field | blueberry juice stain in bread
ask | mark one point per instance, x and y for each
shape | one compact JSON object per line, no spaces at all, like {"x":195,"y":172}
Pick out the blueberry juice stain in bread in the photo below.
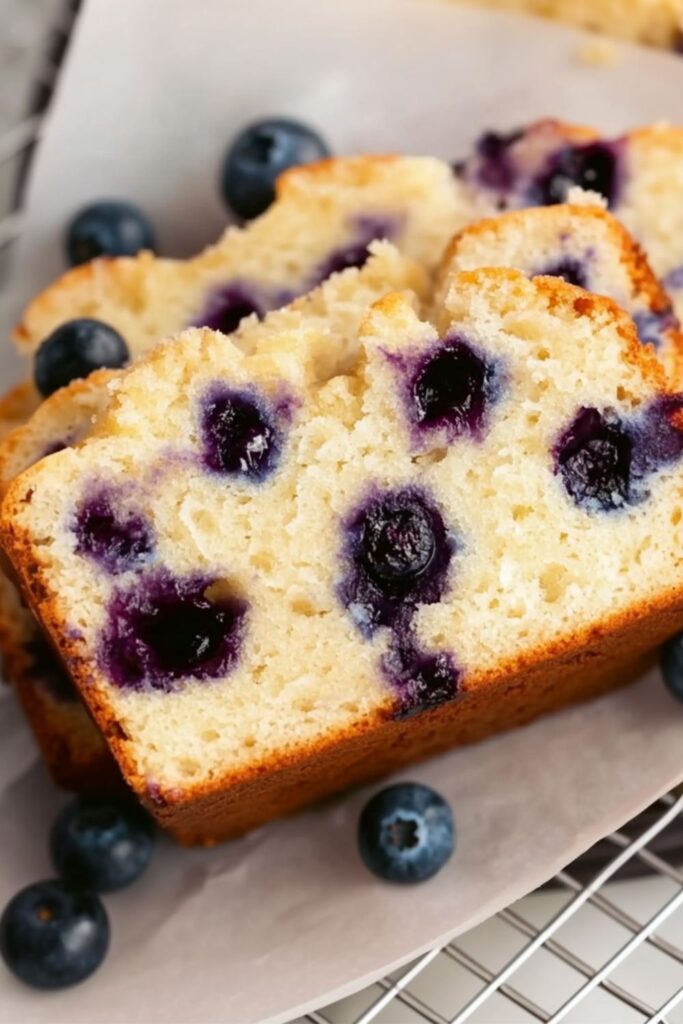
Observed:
{"x":228,"y":304}
{"x":164,"y":629}
{"x":570,"y":269}
{"x":240,"y":433}
{"x":365,"y":228}
{"x":604,"y":460}
{"x":109,"y":533}
{"x":652,"y":326}
{"x":397,"y":551}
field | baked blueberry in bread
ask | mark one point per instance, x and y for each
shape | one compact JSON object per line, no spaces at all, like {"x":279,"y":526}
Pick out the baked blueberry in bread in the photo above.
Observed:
{"x":468,"y":519}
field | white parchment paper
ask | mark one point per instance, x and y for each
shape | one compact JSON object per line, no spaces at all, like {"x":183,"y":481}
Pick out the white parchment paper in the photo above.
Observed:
{"x":287,"y":918}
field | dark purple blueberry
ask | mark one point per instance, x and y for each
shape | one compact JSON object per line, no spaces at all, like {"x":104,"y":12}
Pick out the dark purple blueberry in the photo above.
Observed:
{"x":102,"y":844}
{"x":53,"y":935}
{"x":227,"y":306}
{"x":592,"y":166}
{"x":163,"y":630}
{"x":570,"y":270}
{"x":114,"y":537}
{"x":495,"y":168}
{"x":453,"y":387}
{"x":406,"y":833}
{"x":399,"y":543}
{"x":107,"y":228}
{"x":75,"y":349}
{"x":239,"y":434}
{"x":421,"y":681}
{"x":46,"y":668}
{"x":355,"y":253}
{"x":593,"y":457}
{"x":258,"y":155}
{"x":398,"y":552}
{"x":671,"y":662}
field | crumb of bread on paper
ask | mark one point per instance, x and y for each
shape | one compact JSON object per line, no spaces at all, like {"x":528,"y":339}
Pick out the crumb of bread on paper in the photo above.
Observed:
{"x":577,"y":196}
{"x":598,"y":53}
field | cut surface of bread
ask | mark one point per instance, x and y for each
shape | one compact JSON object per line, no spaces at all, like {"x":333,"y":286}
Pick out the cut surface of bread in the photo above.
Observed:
{"x":640,"y":175}
{"x":585,"y":246}
{"x":72,"y":745}
{"x":323,"y":220}
{"x":271,"y":576}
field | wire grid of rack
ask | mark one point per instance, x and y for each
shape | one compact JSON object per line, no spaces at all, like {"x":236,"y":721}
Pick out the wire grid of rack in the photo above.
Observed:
{"x":458,"y":982}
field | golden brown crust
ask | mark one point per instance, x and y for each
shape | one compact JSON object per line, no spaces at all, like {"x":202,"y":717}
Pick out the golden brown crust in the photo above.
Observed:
{"x":357,"y":169}
{"x":69,"y":409}
{"x":17,"y":405}
{"x":75,"y":753}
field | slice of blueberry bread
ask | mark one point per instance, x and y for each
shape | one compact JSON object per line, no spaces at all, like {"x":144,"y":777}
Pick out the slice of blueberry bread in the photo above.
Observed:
{"x":275,"y":579}
{"x":324,"y":217}
{"x":640,"y":175}
{"x":76,"y":754}
{"x":72,"y":746}
{"x":585,"y":246}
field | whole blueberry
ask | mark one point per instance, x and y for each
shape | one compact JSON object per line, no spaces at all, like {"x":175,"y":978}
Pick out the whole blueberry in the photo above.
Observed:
{"x":671,"y":661}
{"x":259,"y":154}
{"x":75,"y":349}
{"x":53,"y":935}
{"x":399,"y":543}
{"x":101,"y":844}
{"x":406,"y":833}
{"x":593,"y":458}
{"x":107,"y":228}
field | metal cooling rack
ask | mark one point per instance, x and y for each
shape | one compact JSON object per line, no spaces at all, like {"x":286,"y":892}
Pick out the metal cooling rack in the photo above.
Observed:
{"x":591,"y":948}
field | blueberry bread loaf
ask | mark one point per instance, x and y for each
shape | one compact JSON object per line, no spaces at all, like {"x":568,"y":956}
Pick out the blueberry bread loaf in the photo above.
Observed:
{"x":72,"y":746}
{"x":323,"y":220}
{"x":302,"y":578}
{"x":640,"y":176}
{"x":657,"y":22}
{"x":71,"y":743}
{"x":585,"y":246}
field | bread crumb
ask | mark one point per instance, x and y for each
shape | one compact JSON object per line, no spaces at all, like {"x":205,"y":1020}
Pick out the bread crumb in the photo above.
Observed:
{"x":598,"y":53}
{"x":577,"y":196}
